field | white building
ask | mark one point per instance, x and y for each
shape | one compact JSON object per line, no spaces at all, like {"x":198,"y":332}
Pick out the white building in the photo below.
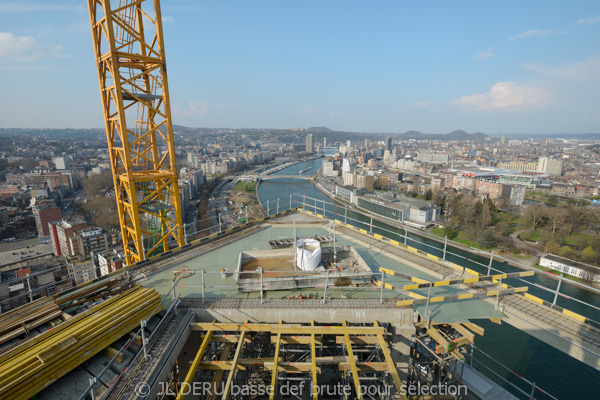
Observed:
{"x":82,"y":272}
{"x":546,"y":164}
{"x":517,"y":195}
{"x":570,"y":267}
{"x":347,"y":165}
{"x":309,"y":143}
{"x":433,"y":158}
{"x":62,"y":162}
{"x":348,"y":178}
{"x":328,"y":168}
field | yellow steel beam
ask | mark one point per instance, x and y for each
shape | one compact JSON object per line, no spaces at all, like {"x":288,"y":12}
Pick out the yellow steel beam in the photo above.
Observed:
{"x":234,"y":365}
{"x":358,"y":340}
{"x":475,"y":328}
{"x":464,"y":332}
{"x":482,"y":278}
{"x":192,"y":371}
{"x":353,"y":365}
{"x":463,"y":296}
{"x":292,"y":366}
{"x":214,"y":385}
{"x":226,"y":338}
{"x":275,"y":361}
{"x":401,"y":275}
{"x":286,"y":329}
{"x":315,"y":388}
{"x":364,"y":366}
{"x":390,"y":363}
{"x":399,"y":290}
{"x":294,"y":339}
{"x":72,"y":342}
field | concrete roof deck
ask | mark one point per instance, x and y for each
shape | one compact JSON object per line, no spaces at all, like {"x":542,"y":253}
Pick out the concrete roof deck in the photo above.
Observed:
{"x":228,"y":256}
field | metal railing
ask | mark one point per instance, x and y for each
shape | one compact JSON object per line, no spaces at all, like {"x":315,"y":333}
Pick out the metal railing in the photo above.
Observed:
{"x":478,"y":363}
{"x":319,"y":206}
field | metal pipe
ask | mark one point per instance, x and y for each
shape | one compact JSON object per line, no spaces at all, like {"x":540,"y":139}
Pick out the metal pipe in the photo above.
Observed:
{"x":29,"y":288}
{"x":490,"y":264}
{"x":382,"y":287}
{"x":498,"y":294}
{"x":203,"y":285}
{"x":326,"y":283}
{"x":261,"y":285}
{"x":144,"y":340}
{"x":557,"y":291}
{"x":427,"y":304}
{"x":445,"y":246}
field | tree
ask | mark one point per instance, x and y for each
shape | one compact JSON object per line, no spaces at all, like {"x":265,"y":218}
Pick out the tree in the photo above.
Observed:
{"x":567,"y":252}
{"x":428,"y":194}
{"x":535,"y":213}
{"x":487,"y":239}
{"x":552,"y":247}
{"x":485,"y":218}
{"x":439,"y":197}
{"x":589,"y":255}
{"x":451,"y":231}
{"x":575,"y":218}
{"x":555,"y":217}
{"x":29,"y":163}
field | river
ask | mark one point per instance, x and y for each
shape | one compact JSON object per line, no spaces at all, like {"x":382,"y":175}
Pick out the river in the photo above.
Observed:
{"x":555,"y":372}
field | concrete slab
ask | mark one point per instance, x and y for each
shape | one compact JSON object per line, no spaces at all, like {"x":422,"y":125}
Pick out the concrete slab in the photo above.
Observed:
{"x":483,"y":387}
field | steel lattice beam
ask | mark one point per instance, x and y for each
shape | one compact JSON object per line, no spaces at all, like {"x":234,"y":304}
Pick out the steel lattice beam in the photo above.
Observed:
{"x":135,"y":100}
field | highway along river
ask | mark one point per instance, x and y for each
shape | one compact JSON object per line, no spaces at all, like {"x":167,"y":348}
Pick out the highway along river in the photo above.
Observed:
{"x":552,"y":370}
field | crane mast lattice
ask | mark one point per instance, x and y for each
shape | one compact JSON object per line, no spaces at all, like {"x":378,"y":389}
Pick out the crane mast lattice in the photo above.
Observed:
{"x":130,"y":57}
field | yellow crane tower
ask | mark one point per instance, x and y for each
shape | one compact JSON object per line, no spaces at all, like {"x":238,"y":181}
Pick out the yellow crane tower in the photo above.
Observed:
{"x":132,"y":71}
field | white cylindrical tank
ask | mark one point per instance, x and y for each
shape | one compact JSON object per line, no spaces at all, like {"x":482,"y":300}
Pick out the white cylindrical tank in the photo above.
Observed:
{"x":308,"y":254}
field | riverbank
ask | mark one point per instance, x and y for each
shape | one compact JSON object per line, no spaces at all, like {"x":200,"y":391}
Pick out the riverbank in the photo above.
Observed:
{"x":452,"y":244}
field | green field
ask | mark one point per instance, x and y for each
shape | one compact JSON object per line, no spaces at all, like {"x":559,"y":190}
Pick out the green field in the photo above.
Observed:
{"x":245,"y":187}
{"x":461,"y":238}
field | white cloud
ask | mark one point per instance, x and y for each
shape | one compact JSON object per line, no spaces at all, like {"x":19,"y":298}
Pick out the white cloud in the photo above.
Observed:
{"x":340,"y":114}
{"x":21,"y":7}
{"x":26,"y":48}
{"x":423,"y":104}
{"x":484,"y":55}
{"x":509,"y":96}
{"x":168,"y":19}
{"x":586,"y":21}
{"x":537,"y":32}
{"x":193,"y":109}
{"x":581,"y":71}
{"x":309,"y":110}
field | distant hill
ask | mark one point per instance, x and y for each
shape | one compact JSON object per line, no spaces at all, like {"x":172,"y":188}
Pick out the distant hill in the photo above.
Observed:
{"x":413,"y":133}
{"x":320,"y":129}
{"x":454,"y":135}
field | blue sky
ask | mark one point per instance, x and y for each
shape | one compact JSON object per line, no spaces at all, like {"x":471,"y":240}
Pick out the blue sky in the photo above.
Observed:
{"x":385,"y":66}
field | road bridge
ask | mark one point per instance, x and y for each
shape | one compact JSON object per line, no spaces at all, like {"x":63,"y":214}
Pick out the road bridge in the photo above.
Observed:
{"x":268,"y":177}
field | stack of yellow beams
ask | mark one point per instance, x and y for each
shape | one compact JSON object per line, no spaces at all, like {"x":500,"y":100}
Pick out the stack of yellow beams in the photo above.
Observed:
{"x":22,"y":319}
{"x":37,"y":362}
